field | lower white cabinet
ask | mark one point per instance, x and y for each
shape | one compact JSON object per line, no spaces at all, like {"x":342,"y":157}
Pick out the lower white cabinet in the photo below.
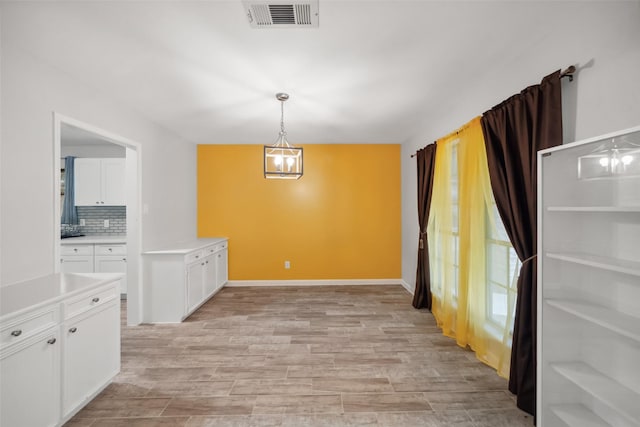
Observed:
{"x":178,"y":280}
{"x":30,"y":372}
{"x":76,"y":258}
{"x":112,"y":259}
{"x":92,"y":344}
{"x":59,"y":346}
{"x":95,"y":258}
{"x":194,"y":281}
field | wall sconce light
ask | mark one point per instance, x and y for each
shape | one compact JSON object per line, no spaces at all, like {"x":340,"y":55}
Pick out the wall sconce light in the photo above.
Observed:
{"x":282,"y":160}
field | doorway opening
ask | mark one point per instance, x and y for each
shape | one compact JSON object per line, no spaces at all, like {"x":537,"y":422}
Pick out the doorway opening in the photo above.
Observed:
{"x":120,"y":159}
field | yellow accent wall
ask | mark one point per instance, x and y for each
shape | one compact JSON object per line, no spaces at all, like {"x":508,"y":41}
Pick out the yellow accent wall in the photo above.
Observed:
{"x":341,"y":220}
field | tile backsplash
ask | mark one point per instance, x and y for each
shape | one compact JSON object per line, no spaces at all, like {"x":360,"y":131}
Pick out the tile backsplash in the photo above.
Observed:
{"x":94,"y":219}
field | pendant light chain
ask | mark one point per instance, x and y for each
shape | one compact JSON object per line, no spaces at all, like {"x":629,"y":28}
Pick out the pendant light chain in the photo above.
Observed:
{"x":282,"y":131}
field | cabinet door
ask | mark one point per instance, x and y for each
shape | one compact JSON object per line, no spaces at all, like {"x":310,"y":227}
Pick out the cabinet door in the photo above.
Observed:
{"x":92,"y":354}
{"x":195,"y":288}
{"x":30,"y":386}
{"x":87,"y":182}
{"x":113,"y":264}
{"x":222,"y":269}
{"x":113,"y":182}
{"x":210,"y":276}
{"x":76,"y":264}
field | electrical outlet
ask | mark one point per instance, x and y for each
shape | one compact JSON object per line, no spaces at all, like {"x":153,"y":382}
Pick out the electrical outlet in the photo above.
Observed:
{"x":106,"y":223}
{"x":287,"y":265}
{"x":82,"y":222}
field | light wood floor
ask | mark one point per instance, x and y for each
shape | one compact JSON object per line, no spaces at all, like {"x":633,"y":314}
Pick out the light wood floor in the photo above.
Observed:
{"x":312,"y":356}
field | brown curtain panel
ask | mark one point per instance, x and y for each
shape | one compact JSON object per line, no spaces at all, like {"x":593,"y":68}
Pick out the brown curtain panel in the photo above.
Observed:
{"x":426,"y":161}
{"x":514,"y":131}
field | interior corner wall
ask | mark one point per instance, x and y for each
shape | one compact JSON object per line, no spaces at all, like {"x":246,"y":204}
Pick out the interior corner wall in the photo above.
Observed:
{"x":341,"y":220}
{"x":31,"y":91}
{"x":600,"y":38}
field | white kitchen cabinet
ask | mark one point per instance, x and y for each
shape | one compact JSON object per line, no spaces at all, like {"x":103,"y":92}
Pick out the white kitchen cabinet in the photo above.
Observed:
{"x":30,"y":369}
{"x":589,"y":283}
{"x":111,"y":259}
{"x":179,"y":279}
{"x":222,"y":266}
{"x":95,"y":258}
{"x":195,"y":285}
{"x":77,"y":258}
{"x":100,"y":182}
{"x":38,"y":363}
{"x":91,"y":335}
{"x":210,"y":275}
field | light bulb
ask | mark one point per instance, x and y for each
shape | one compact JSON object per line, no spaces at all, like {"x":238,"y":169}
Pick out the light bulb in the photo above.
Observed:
{"x":290,"y":162}
{"x":627,"y":159}
{"x":277,"y":160}
{"x":604,"y":162}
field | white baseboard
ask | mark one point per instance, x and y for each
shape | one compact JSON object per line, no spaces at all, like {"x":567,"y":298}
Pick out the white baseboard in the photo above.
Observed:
{"x":344,"y":282}
{"x":408,"y":287}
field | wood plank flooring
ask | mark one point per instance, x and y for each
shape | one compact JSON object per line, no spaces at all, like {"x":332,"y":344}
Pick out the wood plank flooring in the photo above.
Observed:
{"x":310,"y":356}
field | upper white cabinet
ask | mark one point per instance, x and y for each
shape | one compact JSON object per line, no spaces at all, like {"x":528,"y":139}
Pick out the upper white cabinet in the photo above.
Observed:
{"x":100,"y":182}
{"x":589,"y":282}
{"x":180,"y":279}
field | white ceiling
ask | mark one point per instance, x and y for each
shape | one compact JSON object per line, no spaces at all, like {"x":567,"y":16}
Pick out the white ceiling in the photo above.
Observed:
{"x":371,"y":73}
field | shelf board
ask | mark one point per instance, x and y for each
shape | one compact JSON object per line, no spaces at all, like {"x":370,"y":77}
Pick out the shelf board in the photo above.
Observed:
{"x":611,"y":393}
{"x":593,"y":208}
{"x":605,"y":263}
{"x":578,"y":416}
{"x":620,"y":323}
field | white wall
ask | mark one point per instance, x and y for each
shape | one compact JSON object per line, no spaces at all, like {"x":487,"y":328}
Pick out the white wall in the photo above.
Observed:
{"x":601,"y":38}
{"x":30,"y":92}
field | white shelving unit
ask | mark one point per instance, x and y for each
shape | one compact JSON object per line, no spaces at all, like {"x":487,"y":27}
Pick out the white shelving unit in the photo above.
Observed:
{"x":589,"y":283}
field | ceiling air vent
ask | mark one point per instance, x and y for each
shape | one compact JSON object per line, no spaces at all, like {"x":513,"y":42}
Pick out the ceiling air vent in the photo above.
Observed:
{"x":282,"y":14}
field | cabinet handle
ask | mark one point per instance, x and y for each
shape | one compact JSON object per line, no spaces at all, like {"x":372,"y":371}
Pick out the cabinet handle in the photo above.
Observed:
{"x":220,"y":256}
{"x":102,"y":203}
{"x":97,"y":203}
{"x":75,"y":249}
{"x":110,"y":250}
{"x":73,"y":330}
{"x":96,"y":299}
{"x":124,"y":259}
{"x":16,"y":333}
{"x":197,"y":256}
{"x":61,"y":260}
{"x":51,"y":341}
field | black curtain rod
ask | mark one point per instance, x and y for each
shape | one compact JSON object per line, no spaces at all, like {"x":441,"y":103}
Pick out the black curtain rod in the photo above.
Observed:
{"x":566,"y":73}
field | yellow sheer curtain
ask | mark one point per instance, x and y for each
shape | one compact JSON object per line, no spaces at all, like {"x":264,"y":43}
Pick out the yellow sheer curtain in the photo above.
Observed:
{"x":458,"y":230}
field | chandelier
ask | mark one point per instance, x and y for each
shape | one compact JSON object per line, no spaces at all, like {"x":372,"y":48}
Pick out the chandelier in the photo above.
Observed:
{"x":282,"y":160}
{"x":615,"y":157}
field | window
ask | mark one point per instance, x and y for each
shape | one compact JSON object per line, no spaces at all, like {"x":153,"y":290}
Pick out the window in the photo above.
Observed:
{"x":503,"y":266}
{"x":473,"y":265}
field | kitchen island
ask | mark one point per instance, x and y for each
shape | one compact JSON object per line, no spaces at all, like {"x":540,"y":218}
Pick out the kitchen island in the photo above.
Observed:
{"x":59,"y":345}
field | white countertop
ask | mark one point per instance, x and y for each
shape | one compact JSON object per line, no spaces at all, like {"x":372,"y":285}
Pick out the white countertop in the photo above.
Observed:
{"x":48,"y":289}
{"x":108,"y":240}
{"x":185,"y":247}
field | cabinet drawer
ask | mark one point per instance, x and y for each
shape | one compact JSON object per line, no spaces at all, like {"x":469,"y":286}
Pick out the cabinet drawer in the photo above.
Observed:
{"x":111,"y":249}
{"x":215,"y":248}
{"x":76,"y":250}
{"x":194,"y":256}
{"x":90,"y":300}
{"x":26,"y":326}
